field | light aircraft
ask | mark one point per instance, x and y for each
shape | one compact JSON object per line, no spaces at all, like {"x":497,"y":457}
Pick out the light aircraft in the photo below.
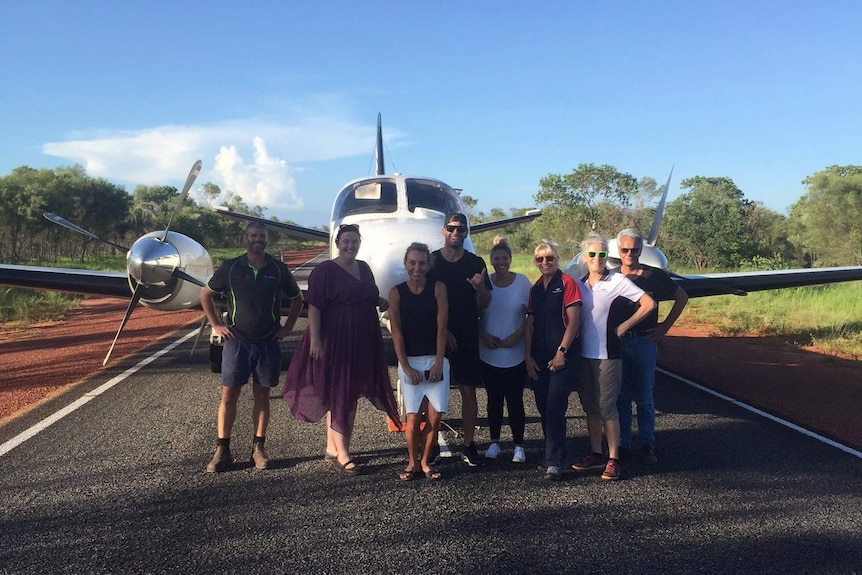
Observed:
{"x":166,"y":270}
{"x":733,"y":283}
{"x":392,"y":211}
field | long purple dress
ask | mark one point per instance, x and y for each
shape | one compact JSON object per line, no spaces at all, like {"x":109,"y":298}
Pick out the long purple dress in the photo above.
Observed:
{"x":354,"y":361}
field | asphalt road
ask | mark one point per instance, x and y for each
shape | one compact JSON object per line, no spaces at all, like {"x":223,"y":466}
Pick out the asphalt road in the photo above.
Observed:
{"x":118,"y":486}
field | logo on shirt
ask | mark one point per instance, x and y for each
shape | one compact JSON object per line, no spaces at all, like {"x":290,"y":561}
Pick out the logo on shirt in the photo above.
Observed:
{"x":557,"y":290}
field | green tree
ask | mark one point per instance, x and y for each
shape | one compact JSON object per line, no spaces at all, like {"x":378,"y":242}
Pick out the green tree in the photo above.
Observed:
{"x":828,"y":216}
{"x":706,"y":227}
{"x":589,"y":198}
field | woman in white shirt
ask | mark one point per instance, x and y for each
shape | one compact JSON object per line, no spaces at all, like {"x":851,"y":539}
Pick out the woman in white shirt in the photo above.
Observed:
{"x":501,"y":349}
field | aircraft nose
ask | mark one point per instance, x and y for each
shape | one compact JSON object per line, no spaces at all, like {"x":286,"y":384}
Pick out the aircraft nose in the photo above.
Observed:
{"x":151,"y":262}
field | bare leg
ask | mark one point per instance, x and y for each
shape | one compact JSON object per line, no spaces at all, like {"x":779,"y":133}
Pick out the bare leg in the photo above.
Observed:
{"x":411,"y":435}
{"x":430,"y":433}
{"x":261,"y":409}
{"x":612,"y":433}
{"x":594,"y":428}
{"x":341,"y":441}
{"x":331,"y":448}
{"x":469,"y":412}
{"x":227,"y":411}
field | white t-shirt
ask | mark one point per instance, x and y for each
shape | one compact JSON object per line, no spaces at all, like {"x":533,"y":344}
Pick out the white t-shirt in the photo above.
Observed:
{"x":596,"y":304}
{"x":503,"y":316}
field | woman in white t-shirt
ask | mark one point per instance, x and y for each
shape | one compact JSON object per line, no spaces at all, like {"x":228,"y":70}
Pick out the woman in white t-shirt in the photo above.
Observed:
{"x":501,"y":349}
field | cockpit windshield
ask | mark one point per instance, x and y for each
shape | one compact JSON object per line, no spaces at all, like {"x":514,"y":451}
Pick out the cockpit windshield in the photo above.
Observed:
{"x":379,"y":196}
{"x":431,"y":195}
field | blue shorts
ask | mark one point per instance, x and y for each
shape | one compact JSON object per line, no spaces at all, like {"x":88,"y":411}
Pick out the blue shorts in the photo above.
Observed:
{"x":259,"y":359}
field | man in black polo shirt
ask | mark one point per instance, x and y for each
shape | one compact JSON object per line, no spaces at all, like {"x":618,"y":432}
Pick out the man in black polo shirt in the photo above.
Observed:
{"x":253,"y":285}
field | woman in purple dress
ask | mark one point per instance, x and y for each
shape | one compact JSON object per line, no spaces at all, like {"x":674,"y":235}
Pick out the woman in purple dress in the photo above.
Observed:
{"x":341,"y":356}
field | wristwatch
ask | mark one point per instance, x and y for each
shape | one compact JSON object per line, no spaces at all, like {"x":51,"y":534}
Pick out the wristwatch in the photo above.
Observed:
{"x":562,"y":349}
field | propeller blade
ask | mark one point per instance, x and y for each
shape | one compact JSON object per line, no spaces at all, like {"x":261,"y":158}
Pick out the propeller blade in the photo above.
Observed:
{"x":70,"y":226}
{"x":136,"y":296}
{"x":653,"y":231}
{"x":193,"y":174}
{"x":177,"y":273}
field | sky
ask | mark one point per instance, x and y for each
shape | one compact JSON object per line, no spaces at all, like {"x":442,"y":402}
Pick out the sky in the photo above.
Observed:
{"x":279,"y":99}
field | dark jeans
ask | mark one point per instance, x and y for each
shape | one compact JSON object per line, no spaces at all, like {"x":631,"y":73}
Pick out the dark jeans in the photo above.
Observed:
{"x":505,"y":384}
{"x":552,"y":391}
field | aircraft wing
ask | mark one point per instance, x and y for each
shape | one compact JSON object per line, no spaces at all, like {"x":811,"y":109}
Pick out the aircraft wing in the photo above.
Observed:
{"x":292,"y":230}
{"x":114,"y":284}
{"x":739,"y":283}
{"x":485,"y":226}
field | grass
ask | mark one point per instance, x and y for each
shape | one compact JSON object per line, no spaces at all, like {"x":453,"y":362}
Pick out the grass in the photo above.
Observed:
{"x":826,"y":316}
{"x":24,"y":306}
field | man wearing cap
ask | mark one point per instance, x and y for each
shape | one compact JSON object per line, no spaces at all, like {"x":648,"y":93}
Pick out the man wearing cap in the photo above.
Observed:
{"x":469,"y":289}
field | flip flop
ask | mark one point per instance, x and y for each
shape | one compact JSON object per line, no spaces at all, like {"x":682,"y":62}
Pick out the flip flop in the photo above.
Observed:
{"x":355,"y":470}
{"x":407,"y":475}
{"x":433,"y":475}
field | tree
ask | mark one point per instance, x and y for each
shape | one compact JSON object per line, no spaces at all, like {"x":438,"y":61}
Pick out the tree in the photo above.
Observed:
{"x":828,"y":216}
{"x":706,"y":227}
{"x":582,"y":200}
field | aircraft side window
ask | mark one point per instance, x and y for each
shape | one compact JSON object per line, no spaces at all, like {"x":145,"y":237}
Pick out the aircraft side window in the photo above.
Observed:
{"x":368,"y":198}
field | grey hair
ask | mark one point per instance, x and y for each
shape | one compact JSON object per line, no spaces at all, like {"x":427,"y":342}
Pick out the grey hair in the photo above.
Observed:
{"x":594,"y":238}
{"x":632,"y":233}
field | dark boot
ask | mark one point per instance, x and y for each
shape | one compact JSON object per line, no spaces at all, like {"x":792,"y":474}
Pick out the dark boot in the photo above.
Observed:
{"x":259,"y":457}
{"x":221,"y":461}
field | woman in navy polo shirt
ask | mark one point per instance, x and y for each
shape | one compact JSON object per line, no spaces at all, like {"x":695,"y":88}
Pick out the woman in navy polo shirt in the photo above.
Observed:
{"x":552,"y":351}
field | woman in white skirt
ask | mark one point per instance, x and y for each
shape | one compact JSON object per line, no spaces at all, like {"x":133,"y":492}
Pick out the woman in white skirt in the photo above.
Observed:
{"x":418,"y":312}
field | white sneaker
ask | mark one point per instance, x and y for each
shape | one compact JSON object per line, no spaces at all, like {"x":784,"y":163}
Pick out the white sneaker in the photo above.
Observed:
{"x":493,"y":451}
{"x":520,"y":456}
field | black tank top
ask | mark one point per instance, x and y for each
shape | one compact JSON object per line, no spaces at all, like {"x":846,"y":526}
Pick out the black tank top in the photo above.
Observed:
{"x":419,"y":319}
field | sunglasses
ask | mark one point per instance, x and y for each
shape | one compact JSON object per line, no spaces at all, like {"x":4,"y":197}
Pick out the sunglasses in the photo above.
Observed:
{"x":633,"y":251}
{"x":452,"y":229}
{"x":549,"y":259}
{"x":602,"y":255}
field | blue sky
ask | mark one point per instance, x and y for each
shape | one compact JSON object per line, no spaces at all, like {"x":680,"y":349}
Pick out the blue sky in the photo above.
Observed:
{"x":280,"y":99}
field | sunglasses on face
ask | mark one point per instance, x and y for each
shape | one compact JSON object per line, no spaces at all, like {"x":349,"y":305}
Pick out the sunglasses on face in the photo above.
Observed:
{"x":602,"y":255}
{"x":452,"y":229}
{"x":633,"y":251}
{"x":549,"y":259}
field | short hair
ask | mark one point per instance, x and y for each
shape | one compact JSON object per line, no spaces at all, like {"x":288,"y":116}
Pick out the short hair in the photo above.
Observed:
{"x":346,"y":228}
{"x":456,"y":217}
{"x":258,"y":225}
{"x":631,"y":233}
{"x":501,"y":245}
{"x":418,"y":247}
{"x":594,"y":238}
{"x":545,"y":249}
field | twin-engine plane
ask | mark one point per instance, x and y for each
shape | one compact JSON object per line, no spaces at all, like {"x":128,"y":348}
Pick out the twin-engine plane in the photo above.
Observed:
{"x":166,"y":270}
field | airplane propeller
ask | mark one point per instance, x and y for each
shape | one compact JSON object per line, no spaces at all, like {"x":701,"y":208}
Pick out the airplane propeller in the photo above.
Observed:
{"x":156,"y":261}
{"x":153,"y":262}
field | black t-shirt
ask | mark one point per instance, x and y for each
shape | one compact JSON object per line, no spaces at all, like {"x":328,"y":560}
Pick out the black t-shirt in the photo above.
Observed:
{"x":463,"y":299}
{"x":254,"y":296}
{"x":658,"y":284}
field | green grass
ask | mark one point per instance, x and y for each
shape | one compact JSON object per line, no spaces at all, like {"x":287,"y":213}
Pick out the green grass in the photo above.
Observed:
{"x":828,"y":316}
{"x":24,"y":306}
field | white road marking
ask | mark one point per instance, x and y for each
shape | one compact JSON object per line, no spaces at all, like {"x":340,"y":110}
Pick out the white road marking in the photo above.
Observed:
{"x":761,"y":413}
{"x":87,"y":397}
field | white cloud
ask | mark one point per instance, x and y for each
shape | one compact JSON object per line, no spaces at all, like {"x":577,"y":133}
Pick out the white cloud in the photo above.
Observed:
{"x":253,"y":158}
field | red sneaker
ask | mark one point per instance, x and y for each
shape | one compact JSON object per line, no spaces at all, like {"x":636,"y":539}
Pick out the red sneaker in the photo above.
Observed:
{"x":612,"y":470}
{"x":591,"y":461}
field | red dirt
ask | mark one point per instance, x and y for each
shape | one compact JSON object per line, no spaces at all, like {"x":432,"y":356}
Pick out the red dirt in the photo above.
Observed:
{"x":820,"y":392}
